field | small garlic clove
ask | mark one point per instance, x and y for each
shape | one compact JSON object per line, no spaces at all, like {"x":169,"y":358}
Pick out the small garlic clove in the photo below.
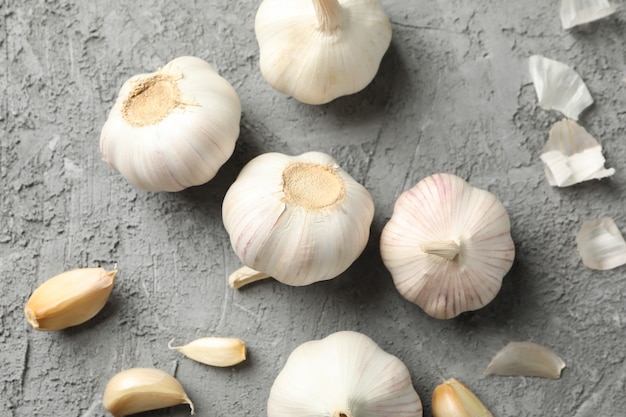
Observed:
{"x":578,"y":12}
{"x":559,"y":87}
{"x":214,"y":351}
{"x":142,"y":389}
{"x":244,"y":276}
{"x":526,"y":359}
{"x":453,"y":399}
{"x":600,"y":244}
{"x":70,"y":298}
{"x":572,"y":155}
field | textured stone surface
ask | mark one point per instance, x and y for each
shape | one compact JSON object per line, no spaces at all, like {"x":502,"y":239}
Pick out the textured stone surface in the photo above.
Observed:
{"x":452,"y":95}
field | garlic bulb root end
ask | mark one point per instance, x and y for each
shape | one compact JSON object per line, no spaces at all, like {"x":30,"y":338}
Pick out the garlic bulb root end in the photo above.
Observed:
{"x":244,"y":276}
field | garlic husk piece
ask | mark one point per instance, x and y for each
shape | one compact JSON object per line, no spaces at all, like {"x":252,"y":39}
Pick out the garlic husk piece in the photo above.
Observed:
{"x":299,"y":219}
{"x":572,"y":155}
{"x":600,"y":244}
{"x":453,"y":399}
{"x":173,"y":128}
{"x":578,"y":12}
{"x":559,"y":87}
{"x":70,"y":298}
{"x":526,"y":359}
{"x":343,"y":375}
{"x":137,"y":390}
{"x":318,"y":50}
{"x":214,"y":351}
{"x":447,"y":245}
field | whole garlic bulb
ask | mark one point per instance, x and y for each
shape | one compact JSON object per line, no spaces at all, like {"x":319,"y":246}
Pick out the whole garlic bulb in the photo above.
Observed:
{"x":318,"y":50}
{"x":344,"y":375}
{"x":299,"y":219}
{"x":447,"y":245}
{"x":173,"y":128}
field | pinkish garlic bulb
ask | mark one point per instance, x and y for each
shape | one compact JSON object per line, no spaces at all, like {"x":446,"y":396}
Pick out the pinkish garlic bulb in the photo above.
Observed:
{"x":448,"y":246}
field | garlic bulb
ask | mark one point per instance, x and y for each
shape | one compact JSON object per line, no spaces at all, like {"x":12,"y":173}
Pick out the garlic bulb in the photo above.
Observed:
{"x":344,"y":375}
{"x":447,"y":245}
{"x":559,"y":87}
{"x":600,"y":244}
{"x":453,"y":399}
{"x":173,"y":128}
{"x":578,"y":12}
{"x":526,"y":359}
{"x":572,"y":155}
{"x":299,"y":219}
{"x":318,"y":50}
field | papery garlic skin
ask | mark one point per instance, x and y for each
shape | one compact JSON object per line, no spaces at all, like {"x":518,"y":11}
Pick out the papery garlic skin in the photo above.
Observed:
{"x":526,"y":359}
{"x":447,"y":245}
{"x":453,"y":399}
{"x":345,"y":374}
{"x":214,"y":351}
{"x":578,"y":12}
{"x":137,"y":390}
{"x":559,"y":87}
{"x":601,"y":244}
{"x":299,"y":219}
{"x":69,"y":299}
{"x":173,"y":128}
{"x":318,"y":50}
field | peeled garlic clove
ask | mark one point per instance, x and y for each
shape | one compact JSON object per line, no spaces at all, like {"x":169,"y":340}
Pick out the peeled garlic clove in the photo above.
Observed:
{"x":142,"y":389}
{"x":344,"y":375}
{"x":447,"y":245}
{"x":299,"y":219}
{"x":69,"y":299}
{"x":559,"y":87}
{"x":214,"y":351}
{"x":173,"y":128}
{"x":318,"y":50}
{"x":600,"y":244}
{"x":453,"y":399}
{"x":572,"y":155}
{"x":526,"y":359}
{"x":578,"y":12}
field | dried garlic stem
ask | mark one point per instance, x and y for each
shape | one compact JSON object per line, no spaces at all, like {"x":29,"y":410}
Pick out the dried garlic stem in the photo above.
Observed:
{"x":244,"y":276}
{"x":342,"y":413}
{"x":448,"y":249}
{"x":328,"y":14}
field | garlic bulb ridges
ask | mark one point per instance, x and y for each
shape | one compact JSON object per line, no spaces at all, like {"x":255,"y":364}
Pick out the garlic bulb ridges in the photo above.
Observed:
{"x":526,"y":359}
{"x":70,"y":298}
{"x":318,"y":50}
{"x":345,"y":374}
{"x":137,"y":390}
{"x":298,"y":219}
{"x":214,"y":351}
{"x":447,"y":245}
{"x":174,"y":128}
{"x":453,"y":399}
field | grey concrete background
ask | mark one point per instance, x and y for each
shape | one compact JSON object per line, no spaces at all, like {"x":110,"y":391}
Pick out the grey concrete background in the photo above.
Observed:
{"x":452,"y":95}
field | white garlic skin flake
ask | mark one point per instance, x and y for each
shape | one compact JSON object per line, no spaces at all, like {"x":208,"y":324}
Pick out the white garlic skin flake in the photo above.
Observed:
{"x":447,"y":245}
{"x":343,"y":375}
{"x":318,"y":50}
{"x":578,"y":12}
{"x":601,"y":244}
{"x":299,"y":219}
{"x":526,"y":359}
{"x":173,"y":128}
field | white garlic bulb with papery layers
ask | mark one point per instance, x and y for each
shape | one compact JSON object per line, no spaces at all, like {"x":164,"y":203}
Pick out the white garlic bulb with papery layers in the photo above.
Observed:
{"x":447,"y":245}
{"x":299,"y":219}
{"x":343,"y":375}
{"x":318,"y":50}
{"x":173,"y":128}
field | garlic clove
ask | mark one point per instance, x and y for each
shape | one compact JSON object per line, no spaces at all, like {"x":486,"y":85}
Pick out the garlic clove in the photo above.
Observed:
{"x":244,"y":276}
{"x":214,"y":351}
{"x":345,"y":374}
{"x":600,"y":244}
{"x":299,"y":219}
{"x":526,"y":359}
{"x":447,"y":245}
{"x":318,"y":50}
{"x":453,"y":399}
{"x":70,"y":298}
{"x":559,"y":87}
{"x":572,"y":155}
{"x":173,"y":128}
{"x":578,"y":12}
{"x":137,"y":390}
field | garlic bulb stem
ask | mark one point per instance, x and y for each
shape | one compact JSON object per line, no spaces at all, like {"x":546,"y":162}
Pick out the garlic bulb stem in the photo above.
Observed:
{"x":328,"y":14}
{"x":342,"y":413}
{"x":244,"y":276}
{"x":448,"y":249}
